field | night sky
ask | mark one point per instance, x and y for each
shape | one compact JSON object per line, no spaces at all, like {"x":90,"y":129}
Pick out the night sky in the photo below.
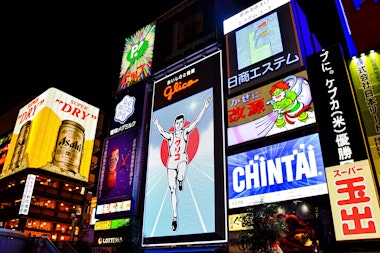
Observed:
{"x":76,"y":48}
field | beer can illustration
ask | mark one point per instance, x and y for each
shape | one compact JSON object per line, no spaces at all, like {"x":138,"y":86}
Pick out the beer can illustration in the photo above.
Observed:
{"x":112,"y":165}
{"x":69,"y":147}
{"x":19,"y":151}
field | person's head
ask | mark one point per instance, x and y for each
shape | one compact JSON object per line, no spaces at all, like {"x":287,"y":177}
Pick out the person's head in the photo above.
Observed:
{"x":179,"y":122}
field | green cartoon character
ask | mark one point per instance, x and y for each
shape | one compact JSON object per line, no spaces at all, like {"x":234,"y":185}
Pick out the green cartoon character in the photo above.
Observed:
{"x":285,"y":102}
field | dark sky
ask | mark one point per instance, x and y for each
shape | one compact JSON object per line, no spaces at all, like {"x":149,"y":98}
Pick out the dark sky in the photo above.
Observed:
{"x":76,"y":48}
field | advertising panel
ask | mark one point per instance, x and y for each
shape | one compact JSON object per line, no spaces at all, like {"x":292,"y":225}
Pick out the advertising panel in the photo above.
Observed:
{"x":185,"y":185}
{"x":284,"y":171}
{"x":261,"y":43}
{"x":365,"y":74}
{"x":337,"y":116}
{"x":137,"y":56}
{"x":116,"y":175}
{"x":274,"y":108}
{"x":54,"y":132}
{"x":354,"y":201}
{"x":128,"y":109}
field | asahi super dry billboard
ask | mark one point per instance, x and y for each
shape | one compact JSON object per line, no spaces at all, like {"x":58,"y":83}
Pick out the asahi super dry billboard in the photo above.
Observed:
{"x":55,"y":132}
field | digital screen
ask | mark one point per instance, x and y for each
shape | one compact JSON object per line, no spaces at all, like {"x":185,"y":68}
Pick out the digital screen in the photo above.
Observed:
{"x":278,"y":107}
{"x":284,"y":171}
{"x":137,"y":56}
{"x":117,"y":172}
{"x":184,"y":192}
{"x":258,"y":41}
{"x":262,"y":49}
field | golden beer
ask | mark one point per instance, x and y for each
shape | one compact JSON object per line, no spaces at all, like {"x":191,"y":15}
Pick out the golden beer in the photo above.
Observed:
{"x":69,"y":147}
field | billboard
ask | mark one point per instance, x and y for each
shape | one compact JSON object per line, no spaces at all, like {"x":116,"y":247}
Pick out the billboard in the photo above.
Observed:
{"x":128,"y":109}
{"x":354,"y":201}
{"x":271,"y":109}
{"x":116,"y":174}
{"x":137,"y":56}
{"x":261,"y":44}
{"x":284,"y":171}
{"x":185,"y":185}
{"x":365,"y":75}
{"x":341,"y":135}
{"x":54,"y":132}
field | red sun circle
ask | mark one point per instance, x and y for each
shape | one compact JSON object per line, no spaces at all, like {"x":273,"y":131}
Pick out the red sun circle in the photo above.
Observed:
{"x":192,"y":145}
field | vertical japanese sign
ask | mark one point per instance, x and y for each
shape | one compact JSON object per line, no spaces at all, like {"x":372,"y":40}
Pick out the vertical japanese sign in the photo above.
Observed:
{"x":185,"y":185}
{"x":336,"y":114}
{"x":27,"y":195}
{"x":354,"y":202}
{"x":365,"y":73}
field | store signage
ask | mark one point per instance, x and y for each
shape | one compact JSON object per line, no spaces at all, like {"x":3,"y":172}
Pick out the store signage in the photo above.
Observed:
{"x":354,"y":201}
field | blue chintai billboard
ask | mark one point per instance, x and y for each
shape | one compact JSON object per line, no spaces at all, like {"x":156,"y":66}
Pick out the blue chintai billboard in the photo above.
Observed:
{"x":288,"y":170}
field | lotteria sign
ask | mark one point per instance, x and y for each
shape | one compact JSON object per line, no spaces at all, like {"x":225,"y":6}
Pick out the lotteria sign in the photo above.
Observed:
{"x":288,"y":170}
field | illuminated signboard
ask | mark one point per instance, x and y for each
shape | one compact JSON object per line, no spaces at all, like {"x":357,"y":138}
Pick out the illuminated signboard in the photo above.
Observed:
{"x":274,"y":108}
{"x":235,"y":222}
{"x":186,"y":205}
{"x":128,"y":109}
{"x":365,"y":73}
{"x":261,"y":44}
{"x":27,"y":195}
{"x":137,"y":57}
{"x":111,"y":224}
{"x":117,"y":172}
{"x":284,"y":171}
{"x":354,"y":201}
{"x":341,"y":136}
{"x":54,"y":132}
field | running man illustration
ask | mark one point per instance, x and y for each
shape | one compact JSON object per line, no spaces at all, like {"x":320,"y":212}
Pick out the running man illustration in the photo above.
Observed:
{"x":178,"y":159}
